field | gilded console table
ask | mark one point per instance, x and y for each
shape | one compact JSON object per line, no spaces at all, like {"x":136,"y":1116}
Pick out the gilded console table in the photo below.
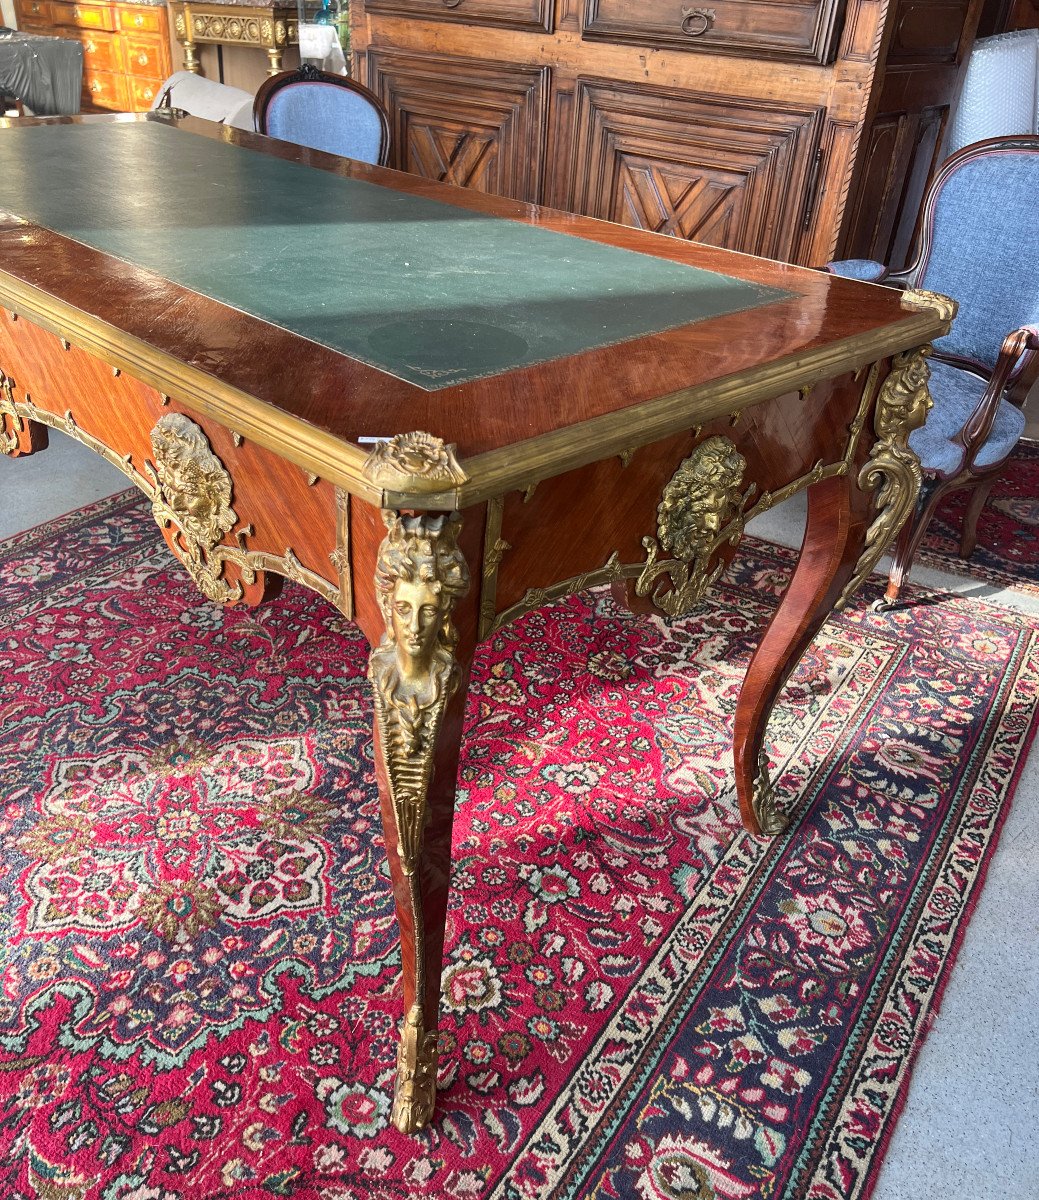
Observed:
{"x":270,"y":27}
{"x":509,"y":404}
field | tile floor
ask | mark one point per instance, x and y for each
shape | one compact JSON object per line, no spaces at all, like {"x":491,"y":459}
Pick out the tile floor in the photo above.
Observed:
{"x":968,"y":1127}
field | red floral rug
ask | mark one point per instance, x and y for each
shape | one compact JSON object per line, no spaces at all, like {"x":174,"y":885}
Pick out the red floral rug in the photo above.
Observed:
{"x":640,"y":1001}
{"x":1007,"y":553}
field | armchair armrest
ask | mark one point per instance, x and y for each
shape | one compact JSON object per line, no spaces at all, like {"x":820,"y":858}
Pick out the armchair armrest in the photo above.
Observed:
{"x":858,"y":268}
{"x":1017,"y":350}
{"x":869,"y":271}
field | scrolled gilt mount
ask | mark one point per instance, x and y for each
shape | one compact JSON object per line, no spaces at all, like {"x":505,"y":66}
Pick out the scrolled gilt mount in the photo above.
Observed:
{"x":892,"y":469}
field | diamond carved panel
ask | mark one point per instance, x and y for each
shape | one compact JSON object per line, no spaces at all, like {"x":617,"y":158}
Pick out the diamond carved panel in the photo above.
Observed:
{"x":732,"y":173}
{"x":465,"y":121}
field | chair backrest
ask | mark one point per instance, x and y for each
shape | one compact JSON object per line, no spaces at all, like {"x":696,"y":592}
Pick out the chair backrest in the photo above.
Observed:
{"x":326,"y":112}
{"x":200,"y":97}
{"x":980,"y":243}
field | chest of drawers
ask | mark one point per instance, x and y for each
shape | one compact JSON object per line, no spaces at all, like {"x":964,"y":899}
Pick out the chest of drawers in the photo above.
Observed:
{"x":126,"y":49}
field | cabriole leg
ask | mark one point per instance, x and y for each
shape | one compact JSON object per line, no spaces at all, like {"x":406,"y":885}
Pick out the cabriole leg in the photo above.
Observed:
{"x":418,"y":673}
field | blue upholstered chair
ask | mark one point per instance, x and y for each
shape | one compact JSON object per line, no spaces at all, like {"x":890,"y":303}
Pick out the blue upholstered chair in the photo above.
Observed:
{"x":326,"y":112}
{"x":979,"y":243}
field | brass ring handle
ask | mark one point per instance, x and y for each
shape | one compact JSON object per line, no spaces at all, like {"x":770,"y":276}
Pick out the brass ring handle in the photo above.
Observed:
{"x":696,"y":21}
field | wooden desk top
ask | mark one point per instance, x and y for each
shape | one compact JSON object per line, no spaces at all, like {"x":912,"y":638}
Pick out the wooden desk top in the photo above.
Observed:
{"x":313,"y":402}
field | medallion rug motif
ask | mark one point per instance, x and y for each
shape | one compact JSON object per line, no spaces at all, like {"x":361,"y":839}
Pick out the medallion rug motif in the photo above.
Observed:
{"x":200,"y":959}
{"x":1007,"y":553}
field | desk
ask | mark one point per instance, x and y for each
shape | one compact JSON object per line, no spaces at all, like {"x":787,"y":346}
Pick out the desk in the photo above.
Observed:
{"x":564,"y":403}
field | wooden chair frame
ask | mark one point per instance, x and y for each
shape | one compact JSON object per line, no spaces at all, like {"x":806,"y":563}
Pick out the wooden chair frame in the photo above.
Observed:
{"x":308,"y":73}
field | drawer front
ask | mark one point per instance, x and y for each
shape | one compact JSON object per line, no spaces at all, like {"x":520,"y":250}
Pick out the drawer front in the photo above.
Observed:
{"x":513,"y":14}
{"x":33,"y":12}
{"x":142,"y":20}
{"x":83,"y":16}
{"x":100,"y":51}
{"x":106,"y":90}
{"x":799,"y":30}
{"x":143,"y":56}
{"x":142,"y":93}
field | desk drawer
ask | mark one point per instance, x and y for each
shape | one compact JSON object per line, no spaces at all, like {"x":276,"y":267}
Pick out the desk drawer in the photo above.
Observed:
{"x":804,"y":30}
{"x":143,"y":56}
{"x":33,"y":12}
{"x":142,"y":93}
{"x":142,"y":20}
{"x":106,"y":89}
{"x":100,"y":50}
{"x":83,"y":16}
{"x":513,"y":14}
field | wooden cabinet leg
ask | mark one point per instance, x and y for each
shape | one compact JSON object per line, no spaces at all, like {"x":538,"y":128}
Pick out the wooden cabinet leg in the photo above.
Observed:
{"x":419,"y":673}
{"x":832,"y":542}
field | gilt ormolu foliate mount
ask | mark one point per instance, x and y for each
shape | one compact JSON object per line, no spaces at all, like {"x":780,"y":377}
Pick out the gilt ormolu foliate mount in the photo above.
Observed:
{"x":701,"y":507}
{"x":192,"y":499}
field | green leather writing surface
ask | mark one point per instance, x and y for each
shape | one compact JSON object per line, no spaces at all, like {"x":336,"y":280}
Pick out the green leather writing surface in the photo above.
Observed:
{"x":428,"y":292}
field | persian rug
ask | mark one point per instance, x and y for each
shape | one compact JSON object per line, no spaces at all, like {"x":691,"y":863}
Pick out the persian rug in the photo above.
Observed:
{"x":200,"y":957}
{"x":1007,"y":554}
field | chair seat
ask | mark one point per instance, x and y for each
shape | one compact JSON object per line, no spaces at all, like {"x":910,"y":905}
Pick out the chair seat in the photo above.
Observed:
{"x":956,"y":394}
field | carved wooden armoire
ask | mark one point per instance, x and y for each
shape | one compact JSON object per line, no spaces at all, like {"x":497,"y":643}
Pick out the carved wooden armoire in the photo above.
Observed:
{"x":801,"y":130}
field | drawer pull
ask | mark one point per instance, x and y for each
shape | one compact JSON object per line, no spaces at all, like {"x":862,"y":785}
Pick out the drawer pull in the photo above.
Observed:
{"x":96,"y":87}
{"x":696,"y":21}
{"x":89,"y":47}
{"x":451,"y":3}
{"x":138,"y":20}
{"x":142,"y":59}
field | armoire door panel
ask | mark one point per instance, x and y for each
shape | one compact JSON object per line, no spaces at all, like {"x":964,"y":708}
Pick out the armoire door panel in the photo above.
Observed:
{"x":713,"y":169}
{"x":464,"y":121}
{"x":900,"y":157}
{"x":535,"y":15}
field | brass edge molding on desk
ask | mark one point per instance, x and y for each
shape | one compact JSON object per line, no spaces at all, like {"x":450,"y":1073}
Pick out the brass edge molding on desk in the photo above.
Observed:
{"x":310,"y":448}
{"x":517,"y":467}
